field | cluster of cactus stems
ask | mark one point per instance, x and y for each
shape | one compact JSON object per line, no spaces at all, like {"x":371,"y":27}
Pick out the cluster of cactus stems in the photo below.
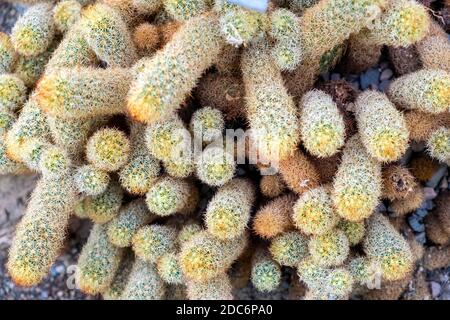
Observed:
{"x":123,"y":108}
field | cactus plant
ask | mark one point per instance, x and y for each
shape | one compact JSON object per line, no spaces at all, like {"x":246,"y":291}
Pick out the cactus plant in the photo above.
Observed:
{"x":289,"y":248}
{"x":40,"y":234}
{"x":83,"y":92}
{"x":207,"y":124}
{"x":271,"y":186}
{"x":122,"y":228}
{"x":169,"y":196}
{"x":357,"y":184}
{"x":299,"y":173}
{"x":168,"y":76}
{"x":108,"y":149}
{"x":120,"y":280}
{"x":143,"y":283}
{"x":274,"y":218}
{"x":8,"y":55}
{"x":169,"y":269}
{"x":218,"y":288}
{"x":90,"y":180}
{"x":266,"y":273}
{"x":65,"y":14}
{"x":105,"y":206}
{"x":329,"y":249}
{"x":34,"y":31}
{"x":438,"y":144}
{"x":183,"y":10}
{"x":228,"y":212}
{"x":215,"y":166}
{"x":313,"y":212}
{"x":382,"y":128}
{"x":388,"y":247}
{"x":423,"y":90}
{"x":354,"y":231}
{"x":151,"y":242}
{"x":204,"y":257}
{"x":322,"y":125}
{"x":12,"y":92}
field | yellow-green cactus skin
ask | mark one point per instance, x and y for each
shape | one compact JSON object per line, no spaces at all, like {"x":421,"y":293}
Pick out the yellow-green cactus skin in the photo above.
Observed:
{"x":381,"y":126}
{"x":384,"y":244}
{"x":357,"y":184}
{"x":403,"y":23}
{"x":83,"y":92}
{"x":271,"y":112}
{"x":289,"y":248}
{"x":169,"y":196}
{"x":108,"y":149}
{"x":322,"y":125}
{"x":266,"y":273}
{"x":438,"y":144}
{"x":313,"y":212}
{"x":167,"y":77}
{"x":34,"y":31}
{"x":215,"y":166}
{"x":183,"y":10}
{"x":218,"y":288}
{"x":228,"y":212}
{"x":169,"y":269}
{"x":90,"y":180}
{"x":151,"y":242}
{"x":40,"y":234}
{"x":330,"y":249}
{"x":108,"y":36}
{"x":105,"y":206}
{"x":65,"y":14}
{"x":204,"y":257}
{"x":423,"y":90}
{"x":13,"y":92}
{"x":8,"y":55}
{"x":98,"y":262}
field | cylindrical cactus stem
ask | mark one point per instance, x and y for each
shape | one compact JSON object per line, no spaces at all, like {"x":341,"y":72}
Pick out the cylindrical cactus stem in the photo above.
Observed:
{"x":30,"y":69}
{"x":270,"y":110}
{"x":271,"y":186}
{"x":398,"y":182}
{"x":142,"y":170}
{"x":107,"y":34}
{"x":311,"y":273}
{"x":240,"y":26}
{"x":31,"y":123}
{"x":83,"y":92}
{"x":167,"y":139}
{"x":357,"y":184}
{"x":365,"y":271}
{"x":169,"y":196}
{"x":187,"y":231}
{"x":204,"y":257}
{"x":72,"y":134}
{"x":146,"y":38}
{"x":403,"y":23}
{"x":411,"y":202}
{"x":438,"y":144}
{"x":320,"y":34}
{"x":382,"y":127}
{"x":207,"y":124}
{"x":8,"y":55}
{"x":388,"y":247}
{"x":117,"y":286}
{"x":13,"y":92}
{"x":90,"y":180}
{"x":289,"y":248}
{"x":299,"y":6}
{"x":182,"y":167}
{"x":299,"y":173}
{"x":354,"y":231}
{"x":169,"y":269}
{"x":108,"y":149}
{"x":322,"y":125}
{"x":144,"y":283}
{"x":443,"y":210}
{"x":72,"y":51}
{"x":361,"y":53}
{"x":423,"y":90}
{"x":183,"y":10}
{"x":98,"y":262}
{"x":228,"y":212}
{"x":65,"y":14}
{"x":151,"y":242}
{"x":274,"y":218}
{"x":218,"y":288}
{"x":9,"y":166}
{"x":122,"y":228}
{"x":40,"y":234}
{"x":54,"y":162}
{"x":167,"y":77}
{"x":7,"y":119}
{"x":434,"y":52}
{"x":313,"y":213}
{"x":215,"y":166}
{"x":266,"y":273}
{"x":34,"y":31}
{"x":105,"y":206}
{"x":422,"y":124}
{"x":285,"y":29}
{"x":330,"y":249}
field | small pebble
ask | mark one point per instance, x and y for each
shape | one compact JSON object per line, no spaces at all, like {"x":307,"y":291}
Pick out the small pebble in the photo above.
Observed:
{"x":430,"y":205}
{"x":335,"y":76}
{"x":384,"y":65}
{"x":429,"y":193}
{"x":386,"y":75}
{"x":416,"y":224}
{"x":444,"y":184}
{"x":421,"y":213}
{"x":421,"y":238}
{"x":435,"y":289}
{"x":369,"y":77}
